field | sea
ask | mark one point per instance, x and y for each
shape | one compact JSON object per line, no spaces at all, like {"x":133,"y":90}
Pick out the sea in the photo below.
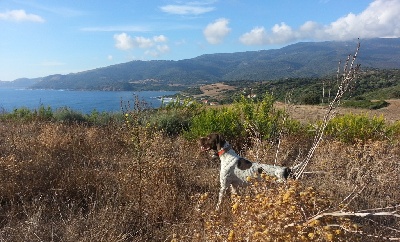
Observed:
{"x":80,"y":101}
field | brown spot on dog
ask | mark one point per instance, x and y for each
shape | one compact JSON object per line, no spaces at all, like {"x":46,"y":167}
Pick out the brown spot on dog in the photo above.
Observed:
{"x":244,"y":164}
{"x":287,"y":173}
{"x":213,"y":141}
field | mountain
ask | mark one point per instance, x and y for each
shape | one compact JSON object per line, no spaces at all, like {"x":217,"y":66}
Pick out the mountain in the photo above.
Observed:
{"x":305,"y":59}
{"x":19,"y":83}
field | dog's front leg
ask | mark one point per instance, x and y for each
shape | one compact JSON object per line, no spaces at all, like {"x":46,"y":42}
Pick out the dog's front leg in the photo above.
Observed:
{"x":222,"y":191}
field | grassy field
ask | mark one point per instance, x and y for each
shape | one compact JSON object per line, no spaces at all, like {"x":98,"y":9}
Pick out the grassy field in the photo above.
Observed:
{"x":129,"y":182}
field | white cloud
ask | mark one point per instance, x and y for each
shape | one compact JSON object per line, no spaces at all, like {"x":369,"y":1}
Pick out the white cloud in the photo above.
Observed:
{"x":20,"y":16}
{"x":215,"y":32}
{"x":380,"y":19}
{"x":159,"y":50}
{"x":282,"y":34}
{"x":109,"y":57}
{"x":257,"y":36}
{"x":143,"y":42}
{"x":163,"y":48}
{"x":125,"y":42}
{"x":160,"y":38}
{"x":187,"y":9}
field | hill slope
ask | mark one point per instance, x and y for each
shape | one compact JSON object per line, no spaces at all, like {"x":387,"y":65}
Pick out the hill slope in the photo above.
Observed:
{"x":307,"y":59}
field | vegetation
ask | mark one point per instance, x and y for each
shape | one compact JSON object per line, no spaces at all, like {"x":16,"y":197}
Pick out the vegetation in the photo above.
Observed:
{"x":305,"y":60}
{"x":134,"y":178}
{"x":372,"y":84}
{"x":138,"y":176}
{"x":63,"y":115}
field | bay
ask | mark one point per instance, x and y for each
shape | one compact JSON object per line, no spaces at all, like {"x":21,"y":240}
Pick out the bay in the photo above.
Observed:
{"x":81,"y":101}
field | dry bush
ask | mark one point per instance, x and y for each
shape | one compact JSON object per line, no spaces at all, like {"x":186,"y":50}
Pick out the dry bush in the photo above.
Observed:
{"x":73,"y":182}
{"x":83,"y":183}
{"x":349,"y":193}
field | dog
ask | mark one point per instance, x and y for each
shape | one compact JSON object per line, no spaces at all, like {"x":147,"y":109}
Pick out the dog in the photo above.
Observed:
{"x":235,"y":169}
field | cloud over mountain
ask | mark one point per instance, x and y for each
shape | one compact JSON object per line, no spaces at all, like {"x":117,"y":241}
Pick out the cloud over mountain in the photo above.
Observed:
{"x":215,"y":32}
{"x":154,"y":46}
{"x":380,"y":19}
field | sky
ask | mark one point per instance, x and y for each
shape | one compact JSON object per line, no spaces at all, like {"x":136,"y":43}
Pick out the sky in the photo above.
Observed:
{"x":44,"y":37}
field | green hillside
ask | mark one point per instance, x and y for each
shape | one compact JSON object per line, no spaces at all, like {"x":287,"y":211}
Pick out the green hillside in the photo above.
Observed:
{"x":372,"y":84}
{"x":301,"y":60}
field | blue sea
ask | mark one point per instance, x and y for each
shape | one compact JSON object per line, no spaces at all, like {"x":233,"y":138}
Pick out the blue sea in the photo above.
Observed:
{"x":81,"y":101}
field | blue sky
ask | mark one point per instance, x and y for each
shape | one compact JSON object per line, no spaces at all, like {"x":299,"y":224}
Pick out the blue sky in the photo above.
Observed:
{"x":44,"y":37}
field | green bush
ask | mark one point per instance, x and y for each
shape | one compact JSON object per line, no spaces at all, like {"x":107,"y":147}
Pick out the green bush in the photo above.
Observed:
{"x":244,"y":118}
{"x":44,"y":113}
{"x":67,"y":115}
{"x":350,"y":128}
{"x":174,"y":117}
{"x":172,"y":122}
{"x":259,"y":117}
{"x":26,"y":114}
{"x":311,"y":99}
{"x":393,"y":130}
{"x":103,"y":118}
{"x":20,"y":114}
{"x":222,"y":120}
{"x":368,"y":104}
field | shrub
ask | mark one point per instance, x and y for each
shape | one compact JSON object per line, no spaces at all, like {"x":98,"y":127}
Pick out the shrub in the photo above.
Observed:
{"x":20,"y":114}
{"x":311,"y":99}
{"x":25,"y":114}
{"x":67,"y":115}
{"x":260,"y":117}
{"x":44,"y":113}
{"x":244,"y":118}
{"x":393,"y":130}
{"x":174,"y":117}
{"x":269,"y":211}
{"x":223,"y":120}
{"x":102,"y":118}
{"x":171,"y":122}
{"x":124,"y":182}
{"x":368,"y":104}
{"x":350,"y":128}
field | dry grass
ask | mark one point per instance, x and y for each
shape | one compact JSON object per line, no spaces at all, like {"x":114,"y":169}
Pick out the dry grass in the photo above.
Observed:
{"x":85,"y":183}
{"x":312,"y":113}
{"x":215,"y":90}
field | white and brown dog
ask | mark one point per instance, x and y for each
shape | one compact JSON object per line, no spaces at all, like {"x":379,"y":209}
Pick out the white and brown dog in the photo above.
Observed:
{"x":235,"y":169}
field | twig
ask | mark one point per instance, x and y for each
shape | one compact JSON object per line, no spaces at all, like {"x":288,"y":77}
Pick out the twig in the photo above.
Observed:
{"x":349,"y":75}
{"x":352,"y":196}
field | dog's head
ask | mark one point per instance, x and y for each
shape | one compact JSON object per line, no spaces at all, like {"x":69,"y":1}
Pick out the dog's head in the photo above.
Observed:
{"x":213,"y":142}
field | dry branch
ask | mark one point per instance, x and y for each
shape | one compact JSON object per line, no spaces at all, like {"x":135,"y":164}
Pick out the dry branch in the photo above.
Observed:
{"x":345,"y":81}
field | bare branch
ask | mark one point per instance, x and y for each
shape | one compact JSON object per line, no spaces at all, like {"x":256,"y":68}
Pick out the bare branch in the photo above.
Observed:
{"x":345,"y":80}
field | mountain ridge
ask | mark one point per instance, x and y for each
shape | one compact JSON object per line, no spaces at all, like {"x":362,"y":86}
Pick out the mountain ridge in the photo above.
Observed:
{"x":303,"y":59}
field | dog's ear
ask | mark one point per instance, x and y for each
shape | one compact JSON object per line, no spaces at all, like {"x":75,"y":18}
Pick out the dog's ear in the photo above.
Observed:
{"x":220,"y":141}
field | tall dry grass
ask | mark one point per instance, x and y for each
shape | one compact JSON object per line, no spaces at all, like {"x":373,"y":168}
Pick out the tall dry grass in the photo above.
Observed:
{"x":79,"y":183}
{"x":74,"y":182}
